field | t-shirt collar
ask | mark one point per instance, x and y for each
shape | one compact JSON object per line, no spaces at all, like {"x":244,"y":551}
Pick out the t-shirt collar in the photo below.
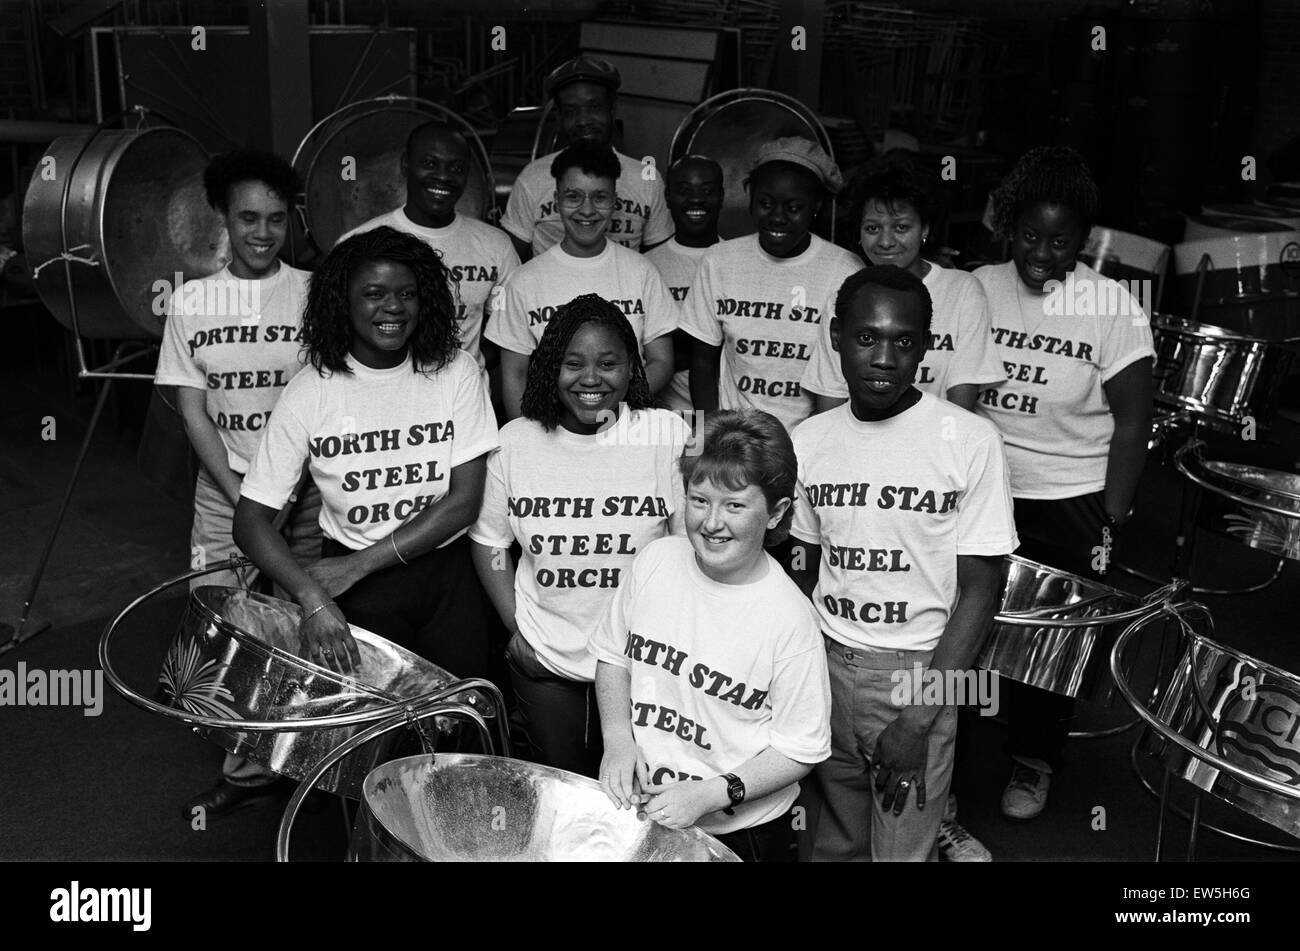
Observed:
{"x":446,"y":232}
{"x":806,"y":257}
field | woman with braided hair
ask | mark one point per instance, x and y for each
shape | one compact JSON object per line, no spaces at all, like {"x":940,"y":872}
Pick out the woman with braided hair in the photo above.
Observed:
{"x":394,"y":423}
{"x":1074,"y":412}
{"x":585,"y":478}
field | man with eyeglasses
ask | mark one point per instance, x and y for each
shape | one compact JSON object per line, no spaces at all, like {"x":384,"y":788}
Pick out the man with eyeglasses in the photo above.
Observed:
{"x":584,"y":262}
{"x":583,"y":92}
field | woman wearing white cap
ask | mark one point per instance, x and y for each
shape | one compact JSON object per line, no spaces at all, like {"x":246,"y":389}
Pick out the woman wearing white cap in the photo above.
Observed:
{"x":758,"y":301}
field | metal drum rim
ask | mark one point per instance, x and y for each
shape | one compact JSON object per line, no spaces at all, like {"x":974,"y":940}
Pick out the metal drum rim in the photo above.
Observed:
{"x":1021,"y":619}
{"x":1167,"y":732}
{"x":104,"y":177}
{"x":487,"y":760}
{"x":694,"y":118}
{"x":1194,"y":447}
{"x":1199,"y":330}
{"x":412,"y":104}
{"x":373,"y":715}
{"x":257,"y":645}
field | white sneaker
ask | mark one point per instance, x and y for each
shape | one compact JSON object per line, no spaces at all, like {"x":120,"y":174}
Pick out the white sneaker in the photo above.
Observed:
{"x":1026,"y":792}
{"x":958,"y":845}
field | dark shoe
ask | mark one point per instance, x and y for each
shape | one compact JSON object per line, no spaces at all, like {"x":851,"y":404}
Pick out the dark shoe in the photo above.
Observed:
{"x":225,"y":798}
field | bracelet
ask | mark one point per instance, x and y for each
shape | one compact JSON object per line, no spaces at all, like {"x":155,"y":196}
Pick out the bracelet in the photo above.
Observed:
{"x":315,"y":611}
{"x":393,"y":538}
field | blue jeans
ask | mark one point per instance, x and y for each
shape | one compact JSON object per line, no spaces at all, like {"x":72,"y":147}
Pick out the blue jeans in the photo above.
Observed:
{"x":846,"y":822}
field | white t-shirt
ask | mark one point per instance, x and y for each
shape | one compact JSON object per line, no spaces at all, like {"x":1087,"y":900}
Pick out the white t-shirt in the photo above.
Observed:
{"x":640,"y":215}
{"x":1052,"y":410}
{"x":677,"y":265}
{"x":533,"y":293}
{"x":579,"y":532}
{"x":892,"y":504}
{"x":479,"y":257}
{"x":961,"y":348}
{"x":719,"y":673}
{"x":381,"y":444}
{"x":765,"y":313}
{"x":238,"y":341}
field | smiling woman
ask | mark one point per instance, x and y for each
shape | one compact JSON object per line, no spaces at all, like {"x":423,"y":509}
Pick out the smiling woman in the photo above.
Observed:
{"x":390,"y":386}
{"x":586,"y":395}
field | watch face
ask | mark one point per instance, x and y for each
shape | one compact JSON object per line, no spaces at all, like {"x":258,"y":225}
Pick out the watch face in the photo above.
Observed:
{"x":736,"y":789}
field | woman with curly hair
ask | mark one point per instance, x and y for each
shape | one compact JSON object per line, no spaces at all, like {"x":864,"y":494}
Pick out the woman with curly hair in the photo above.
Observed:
{"x":585,"y":479}
{"x":230,"y":346}
{"x":394,"y":424}
{"x":1074,"y":412}
{"x":714,"y":698}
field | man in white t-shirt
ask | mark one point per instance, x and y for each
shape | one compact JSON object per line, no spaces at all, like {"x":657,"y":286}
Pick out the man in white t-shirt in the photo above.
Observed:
{"x":902,"y":523}
{"x":436,"y":163}
{"x":694,"y":190}
{"x":758,"y":301}
{"x":583,"y":90}
{"x":585,"y":262}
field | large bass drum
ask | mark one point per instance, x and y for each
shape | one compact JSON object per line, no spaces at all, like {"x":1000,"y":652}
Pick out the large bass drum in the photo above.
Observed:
{"x":129,"y":210}
{"x":351,"y":165}
{"x":729,"y":128}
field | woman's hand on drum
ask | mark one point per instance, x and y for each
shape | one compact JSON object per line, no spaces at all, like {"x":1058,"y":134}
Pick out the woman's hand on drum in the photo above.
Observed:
{"x":336,"y":575}
{"x":624,"y":772}
{"x":327,"y":640}
{"x":900,"y":765}
{"x":679,"y":805}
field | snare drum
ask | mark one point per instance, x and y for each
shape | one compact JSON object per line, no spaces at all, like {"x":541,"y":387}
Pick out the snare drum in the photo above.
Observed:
{"x":1055,"y":630}
{"x":1216,"y":374}
{"x":1258,"y":507}
{"x":235,"y":656}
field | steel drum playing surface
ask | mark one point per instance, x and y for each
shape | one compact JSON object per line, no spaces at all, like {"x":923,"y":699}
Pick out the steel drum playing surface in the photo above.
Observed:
{"x":463,"y":807}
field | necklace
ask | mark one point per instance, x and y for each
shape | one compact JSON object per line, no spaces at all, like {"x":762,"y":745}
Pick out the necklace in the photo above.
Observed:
{"x":250,"y":312}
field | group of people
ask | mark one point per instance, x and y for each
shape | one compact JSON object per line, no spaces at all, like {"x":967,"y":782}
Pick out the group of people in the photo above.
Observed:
{"x":479,"y":458}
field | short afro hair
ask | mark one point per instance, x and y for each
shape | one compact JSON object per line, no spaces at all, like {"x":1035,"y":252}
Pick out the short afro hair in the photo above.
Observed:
{"x":1050,"y":174}
{"x":888,"y":276}
{"x":226,"y":171}
{"x":598,"y":161}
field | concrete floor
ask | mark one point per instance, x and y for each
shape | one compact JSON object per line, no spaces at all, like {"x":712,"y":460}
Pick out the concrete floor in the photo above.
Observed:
{"x":108,"y":787}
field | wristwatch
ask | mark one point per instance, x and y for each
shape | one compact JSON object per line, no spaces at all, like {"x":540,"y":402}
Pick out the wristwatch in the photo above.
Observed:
{"x":735,"y":792}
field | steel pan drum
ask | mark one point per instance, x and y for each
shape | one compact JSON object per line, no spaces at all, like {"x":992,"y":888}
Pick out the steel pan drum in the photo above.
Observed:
{"x":1258,"y":507}
{"x":1215,"y":373}
{"x":1239,"y":710}
{"x":729,"y":128}
{"x":1032,"y":650}
{"x":374,"y":139}
{"x":1273,"y":214}
{"x":1249,"y":283}
{"x":1123,"y":256}
{"x":137,"y":204}
{"x":467,"y":808}
{"x":236,"y":656}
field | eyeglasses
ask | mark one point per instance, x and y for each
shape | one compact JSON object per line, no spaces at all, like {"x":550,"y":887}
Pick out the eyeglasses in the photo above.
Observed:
{"x":576,"y":199}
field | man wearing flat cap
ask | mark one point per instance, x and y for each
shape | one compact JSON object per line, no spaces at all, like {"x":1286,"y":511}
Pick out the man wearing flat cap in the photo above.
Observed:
{"x":583,"y":91}
{"x":758,"y":301}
